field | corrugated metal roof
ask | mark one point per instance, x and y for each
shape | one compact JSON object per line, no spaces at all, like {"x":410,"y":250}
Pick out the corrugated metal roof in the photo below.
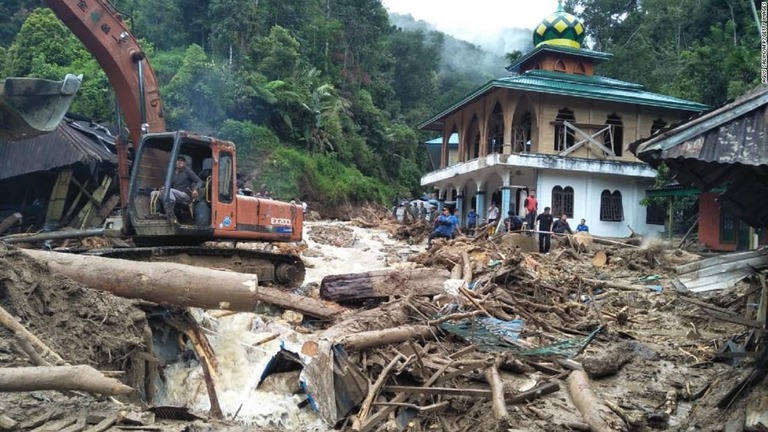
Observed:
{"x":62,"y":147}
{"x":581,"y":86}
{"x":725,"y":147}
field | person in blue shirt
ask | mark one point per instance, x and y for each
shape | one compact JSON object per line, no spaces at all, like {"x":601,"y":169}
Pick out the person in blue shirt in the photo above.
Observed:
{"x":456,"y":223}
{"x":582,"y":226}
{"x":444,"y":227}
{"x":471,"y":221}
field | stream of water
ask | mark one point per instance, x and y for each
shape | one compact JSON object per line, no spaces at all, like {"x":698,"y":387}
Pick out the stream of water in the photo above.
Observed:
{"x":237,"y":340}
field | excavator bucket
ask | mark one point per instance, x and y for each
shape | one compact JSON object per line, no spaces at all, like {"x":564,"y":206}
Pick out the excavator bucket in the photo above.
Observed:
{"x":33,"y":106}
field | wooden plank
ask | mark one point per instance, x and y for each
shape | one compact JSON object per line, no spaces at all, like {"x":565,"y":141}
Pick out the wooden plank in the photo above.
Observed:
{"x":479,"y":393}
{"x":58,"y":197}
{"x":81,"y":190}
{"x":735,"y":319}
{"x":82,"y":219}
{"x":105,"y":210}
{"x":100,"y":193}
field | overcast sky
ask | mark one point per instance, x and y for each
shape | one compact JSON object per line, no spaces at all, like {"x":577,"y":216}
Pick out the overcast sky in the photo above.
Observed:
{"x":467,"y":18}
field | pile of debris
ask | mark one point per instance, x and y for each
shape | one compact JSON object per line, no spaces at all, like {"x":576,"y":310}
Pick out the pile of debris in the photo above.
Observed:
{"x":591,"y":340}
{"x":474,"y":334}
{"x":338,"y":236}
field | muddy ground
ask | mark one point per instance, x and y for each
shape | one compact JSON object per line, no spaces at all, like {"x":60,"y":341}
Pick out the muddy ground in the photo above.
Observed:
{"x":659,"y":344}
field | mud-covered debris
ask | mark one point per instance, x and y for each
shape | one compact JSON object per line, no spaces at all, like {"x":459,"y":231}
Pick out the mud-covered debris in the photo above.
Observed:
{"x":337,"y":235}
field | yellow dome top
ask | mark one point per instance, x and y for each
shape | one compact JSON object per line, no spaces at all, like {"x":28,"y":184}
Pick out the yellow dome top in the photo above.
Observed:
{"x":561,"y":29}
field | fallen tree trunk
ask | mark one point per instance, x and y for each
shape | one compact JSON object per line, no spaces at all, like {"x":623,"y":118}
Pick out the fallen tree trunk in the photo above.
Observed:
{"x":369,"y":339}
{"x":81,"y":377}
{"x":179,"y":284}
{"x":595,"y":413}
{"x":382,"y":284}
{"x":7,"y":320}
{"x":10,"y":222}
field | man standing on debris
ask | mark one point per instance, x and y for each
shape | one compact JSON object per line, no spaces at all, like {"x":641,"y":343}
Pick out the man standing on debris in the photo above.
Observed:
{"x":456,"y":223}
{"x":561,"y":225}
{"x":493,"y":217}
{"x":531,"y":207}
{"x":545,"y":230}
{"x":471,"y":221}
{"x":443,"y":227}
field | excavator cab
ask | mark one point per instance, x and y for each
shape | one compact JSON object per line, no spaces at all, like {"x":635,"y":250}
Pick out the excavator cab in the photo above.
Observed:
{"x":218,"y":213}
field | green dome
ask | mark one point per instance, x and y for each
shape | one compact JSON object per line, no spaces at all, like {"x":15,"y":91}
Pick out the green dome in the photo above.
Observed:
{"x":560,"y":28}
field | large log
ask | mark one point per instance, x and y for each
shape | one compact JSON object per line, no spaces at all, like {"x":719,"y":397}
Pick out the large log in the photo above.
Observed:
{"x":81,"y":377}
{"x":10,"y":221}
{"x":383,"y":283}
{"x":179,"y":284}
{"x":595,"y":413}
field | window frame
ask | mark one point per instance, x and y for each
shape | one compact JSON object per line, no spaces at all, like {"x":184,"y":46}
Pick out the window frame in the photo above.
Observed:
{"x":611,"y":206}
{"x":562,"y":201}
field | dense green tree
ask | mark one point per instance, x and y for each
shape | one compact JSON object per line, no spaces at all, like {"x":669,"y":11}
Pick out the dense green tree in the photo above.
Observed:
{"x":44,"y":48}
{"x":14,"y":13}
{"x":233,"y":25}
{"x":704,"y":50}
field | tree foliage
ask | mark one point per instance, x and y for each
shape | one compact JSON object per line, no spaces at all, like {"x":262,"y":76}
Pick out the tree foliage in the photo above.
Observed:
{"x":322,"y":97}
{"x":703,"y":50}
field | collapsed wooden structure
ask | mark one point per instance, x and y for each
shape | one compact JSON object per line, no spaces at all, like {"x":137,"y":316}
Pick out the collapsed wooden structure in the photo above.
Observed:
{"x":61,"y":179}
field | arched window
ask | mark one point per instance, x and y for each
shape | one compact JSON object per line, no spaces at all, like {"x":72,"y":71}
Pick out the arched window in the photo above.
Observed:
{"x":580,"y":69}
{"x":657,"y":125}
{"x":562,"y":201}
{"x":560,"y":66}
{"x":564,"y":137}
{"x":496,"y":130}
{"x":614,"y":138}
{"x":611,"y":207}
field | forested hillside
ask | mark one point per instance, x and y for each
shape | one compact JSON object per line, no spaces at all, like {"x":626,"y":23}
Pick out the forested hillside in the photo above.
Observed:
{"x":322,"y":97}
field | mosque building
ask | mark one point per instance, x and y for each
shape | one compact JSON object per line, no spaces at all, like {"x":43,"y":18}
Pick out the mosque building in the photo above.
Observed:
{"x":555,"y":128}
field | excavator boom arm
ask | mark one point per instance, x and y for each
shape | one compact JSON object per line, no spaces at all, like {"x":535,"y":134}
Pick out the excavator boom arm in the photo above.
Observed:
{"x":100,"y":28}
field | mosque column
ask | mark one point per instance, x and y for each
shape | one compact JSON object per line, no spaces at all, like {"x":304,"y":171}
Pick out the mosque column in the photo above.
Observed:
{"x":441,"y":200}
{"x":506,"y":195}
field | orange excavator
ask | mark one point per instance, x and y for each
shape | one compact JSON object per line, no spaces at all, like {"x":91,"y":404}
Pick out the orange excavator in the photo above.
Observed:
{"x":220,"y":213}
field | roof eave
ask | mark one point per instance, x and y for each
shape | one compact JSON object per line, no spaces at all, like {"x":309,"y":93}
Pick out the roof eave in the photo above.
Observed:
{"x":687,"y":131}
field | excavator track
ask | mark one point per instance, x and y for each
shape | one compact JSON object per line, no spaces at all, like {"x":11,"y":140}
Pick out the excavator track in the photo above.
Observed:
{"x":282,"y":270}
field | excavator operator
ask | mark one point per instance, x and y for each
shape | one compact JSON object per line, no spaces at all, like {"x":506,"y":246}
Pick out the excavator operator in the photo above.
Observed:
{"x":184,"y":188}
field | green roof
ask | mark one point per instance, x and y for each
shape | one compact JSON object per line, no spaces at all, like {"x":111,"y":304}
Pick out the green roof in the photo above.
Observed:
{"x":597,"y":56}
{"x":581,"y":86}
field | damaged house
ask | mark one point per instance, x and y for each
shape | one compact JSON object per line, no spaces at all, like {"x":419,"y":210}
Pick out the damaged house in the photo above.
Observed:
{"x":724,"y":153}
{"x":64,"y":178}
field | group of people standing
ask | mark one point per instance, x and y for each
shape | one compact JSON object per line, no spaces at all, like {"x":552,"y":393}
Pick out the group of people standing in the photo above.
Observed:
{"x":447,"y":224}
{"x":548,"y":225}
